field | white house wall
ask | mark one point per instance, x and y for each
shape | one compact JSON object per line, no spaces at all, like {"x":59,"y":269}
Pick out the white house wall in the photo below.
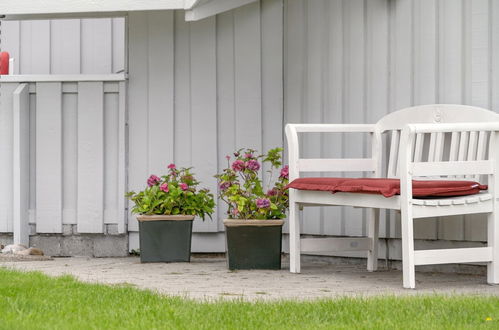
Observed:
{"x":197,"y":91}
{"x":69,"y":46}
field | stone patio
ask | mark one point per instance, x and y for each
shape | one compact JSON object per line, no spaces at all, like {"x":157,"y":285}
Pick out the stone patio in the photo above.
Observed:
{"x":207,"y":278}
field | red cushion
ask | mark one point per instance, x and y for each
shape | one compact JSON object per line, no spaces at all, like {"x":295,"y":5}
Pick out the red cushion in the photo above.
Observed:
{"x":389,"y":187}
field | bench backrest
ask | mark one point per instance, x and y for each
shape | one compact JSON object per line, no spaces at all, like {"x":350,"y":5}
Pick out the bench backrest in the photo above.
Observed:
{"x":435,"y":147}
{"x":428,"y":148}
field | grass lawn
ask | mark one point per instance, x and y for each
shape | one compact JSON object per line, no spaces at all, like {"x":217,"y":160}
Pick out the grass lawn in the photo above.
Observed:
{"x":35,"y":301}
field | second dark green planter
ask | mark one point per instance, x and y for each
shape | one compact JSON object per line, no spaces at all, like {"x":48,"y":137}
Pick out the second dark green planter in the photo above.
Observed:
{"x":165,"y":238}
{"x":253,"y":244}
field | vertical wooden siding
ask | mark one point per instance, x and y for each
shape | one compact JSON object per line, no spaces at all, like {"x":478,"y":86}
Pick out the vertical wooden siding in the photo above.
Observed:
{"x":356,"y":60}
{"x":68,"y":46}
{"x":76,"y":155}
{"x":198,"y":91}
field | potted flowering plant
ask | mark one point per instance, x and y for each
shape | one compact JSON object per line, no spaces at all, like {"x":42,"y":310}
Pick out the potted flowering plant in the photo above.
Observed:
{"x":166,"y":209}
{"x":256,"y":209}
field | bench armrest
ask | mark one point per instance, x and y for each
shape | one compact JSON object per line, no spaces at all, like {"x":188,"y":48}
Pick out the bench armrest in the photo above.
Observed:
{"x":330,"y":128}
{"x":330,"y":165}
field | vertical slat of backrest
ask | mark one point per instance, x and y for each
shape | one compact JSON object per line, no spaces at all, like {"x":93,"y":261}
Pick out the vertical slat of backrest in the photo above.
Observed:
{"x":418,"y":147}
{"x":435,"y":150}
{"x":454,"y":146}
{"x":439,"y":147}
{"x":69,"y":152}
{"x":204,"y":109}
{"x":481,"y":151}
{"x":472,"y":148}
{"x":463,"y":148}
{"x":111,"y":159}
{"x":90,"y":157}
{"x":49,"y":157}
{"x":393,"y":156}
{"x":432,"y":146}
{"x":21,"y":165}
{"x":6,"y":120}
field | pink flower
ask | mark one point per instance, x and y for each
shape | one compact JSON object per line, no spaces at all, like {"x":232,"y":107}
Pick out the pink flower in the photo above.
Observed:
{"x":164,"y":187}
{"x":248,"y":155}
{"x":262,"y":203}
{"x":225,"y":185}
{"x":227,"y":157}
{"x":153,"y":180}
{"x":172,"y":166}
{"x":285,"y":172}
{"x":235,"y":211}
{"x":183,"y":186}
{"x":238,"y":165}
{"x":253,"y":165}
{"x":272,"y":192}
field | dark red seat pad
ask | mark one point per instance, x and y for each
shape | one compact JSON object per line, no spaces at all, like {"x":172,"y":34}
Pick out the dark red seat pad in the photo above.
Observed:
{"x":389,"y":187}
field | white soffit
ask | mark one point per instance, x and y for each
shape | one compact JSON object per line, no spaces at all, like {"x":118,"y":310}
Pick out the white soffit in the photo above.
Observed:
{"x":206,"y":8}
{"x":33,"y":9}
{"x":47,"y":9}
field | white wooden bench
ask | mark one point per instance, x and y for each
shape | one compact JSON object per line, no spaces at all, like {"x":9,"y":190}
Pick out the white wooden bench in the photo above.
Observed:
{"x":431,"y":141}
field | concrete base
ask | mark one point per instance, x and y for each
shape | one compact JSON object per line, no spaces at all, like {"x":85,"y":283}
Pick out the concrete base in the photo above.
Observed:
{"x":82,"y":245}
{"x":70,"y":243}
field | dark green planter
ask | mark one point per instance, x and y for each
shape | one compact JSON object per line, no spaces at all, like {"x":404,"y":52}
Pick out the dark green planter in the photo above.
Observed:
{"x":165,"y":238}
{"x":253,"y":244}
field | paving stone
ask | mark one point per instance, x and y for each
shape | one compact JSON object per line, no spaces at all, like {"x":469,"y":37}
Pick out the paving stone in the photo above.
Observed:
{"x":209,"y":279}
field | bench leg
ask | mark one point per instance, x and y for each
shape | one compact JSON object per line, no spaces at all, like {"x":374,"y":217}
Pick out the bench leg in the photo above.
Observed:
{"x":294,"y":236}
{"x":493,"y":242}
{"x":373,"y":234}
{"x":408,"y":267}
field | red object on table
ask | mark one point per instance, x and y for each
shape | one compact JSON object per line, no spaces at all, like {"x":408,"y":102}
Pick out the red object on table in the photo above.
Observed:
{"x":4,"y":63}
